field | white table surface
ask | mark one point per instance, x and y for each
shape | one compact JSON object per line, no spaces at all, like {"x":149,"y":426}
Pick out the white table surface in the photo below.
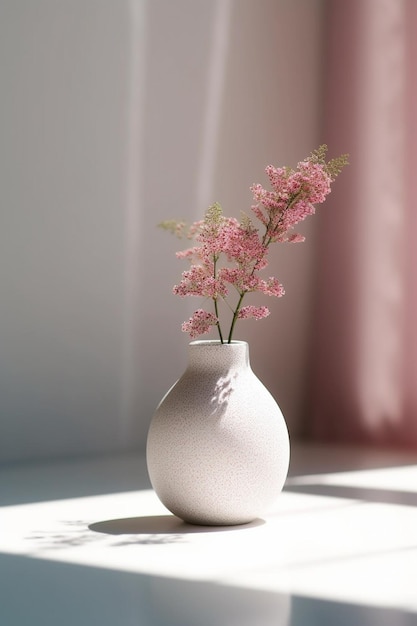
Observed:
{"x":87,"y":542}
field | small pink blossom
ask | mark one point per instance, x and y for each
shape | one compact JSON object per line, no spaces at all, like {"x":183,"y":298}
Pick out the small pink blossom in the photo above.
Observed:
{"x":199,"y":281}
{"x":199,"y":323}
{"x":271,"y":287}
{"x":296,"y":238}
{"x":188,"y":254}
{"x":241,"y":278}
{"x":315,"y":181}
{"x":243,"y":245}
{"x":255,"y":312}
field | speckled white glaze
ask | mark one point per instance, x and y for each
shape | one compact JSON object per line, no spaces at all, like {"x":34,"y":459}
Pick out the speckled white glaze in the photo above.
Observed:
{"x":218,"y":447}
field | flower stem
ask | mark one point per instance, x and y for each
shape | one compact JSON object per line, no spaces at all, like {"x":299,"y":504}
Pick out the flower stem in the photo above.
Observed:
{"x":235,"y":315}
{"x":218,"y":323}
{"x":216,"y":309}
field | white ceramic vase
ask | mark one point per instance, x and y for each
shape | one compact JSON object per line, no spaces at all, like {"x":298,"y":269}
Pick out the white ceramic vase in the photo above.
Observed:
{"x":218,"y":447}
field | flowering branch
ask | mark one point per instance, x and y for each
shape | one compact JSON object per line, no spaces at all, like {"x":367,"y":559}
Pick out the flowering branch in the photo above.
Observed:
{"x":292,"y":199}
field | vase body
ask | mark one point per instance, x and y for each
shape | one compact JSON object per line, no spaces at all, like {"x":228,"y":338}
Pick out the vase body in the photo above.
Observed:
{"x":218,"y":446}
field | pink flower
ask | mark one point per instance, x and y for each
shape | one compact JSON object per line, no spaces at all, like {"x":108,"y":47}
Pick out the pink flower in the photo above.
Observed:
{"x":240,"y":246}
{"x":293,"y":197}
{"x":315,"y":181}
{"x":199,"y":323}
{"x":255,"y":312}
{"x":244,"y":246}
{"x":296,"y":238}
{"x":271,"y":287}
{"x":188,"y":254}
{"x":199,"y":281}
{"x":242,"y":279}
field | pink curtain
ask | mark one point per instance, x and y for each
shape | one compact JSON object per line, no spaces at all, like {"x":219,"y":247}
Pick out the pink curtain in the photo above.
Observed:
{"x":364,"y":365}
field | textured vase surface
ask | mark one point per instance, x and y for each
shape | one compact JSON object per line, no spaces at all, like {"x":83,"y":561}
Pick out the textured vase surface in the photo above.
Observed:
{"x":218,"y":447}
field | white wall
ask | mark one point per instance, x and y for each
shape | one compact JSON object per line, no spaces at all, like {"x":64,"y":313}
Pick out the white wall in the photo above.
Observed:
{"x":115,"y":115}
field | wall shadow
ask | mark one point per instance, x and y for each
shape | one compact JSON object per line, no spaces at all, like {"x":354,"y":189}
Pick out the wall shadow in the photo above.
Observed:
{"x":383,"y":496}
{"x":75,"y":478}
{"x":320,"y":612}
{"x":40,"y":592}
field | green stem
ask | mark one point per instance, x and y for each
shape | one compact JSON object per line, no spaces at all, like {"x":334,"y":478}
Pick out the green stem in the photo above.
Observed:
{"x":216,"y":310}
{"x":218,"y":323}
{"x":235,"y":314}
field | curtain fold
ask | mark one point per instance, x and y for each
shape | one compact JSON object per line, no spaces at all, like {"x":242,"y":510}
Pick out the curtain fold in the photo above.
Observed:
{"x":364,"y":376}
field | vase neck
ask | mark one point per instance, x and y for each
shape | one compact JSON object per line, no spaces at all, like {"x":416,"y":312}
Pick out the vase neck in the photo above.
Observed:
{"x":213,"y":355}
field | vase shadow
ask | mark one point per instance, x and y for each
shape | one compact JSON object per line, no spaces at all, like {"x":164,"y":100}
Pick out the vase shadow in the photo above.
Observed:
{"x":161,"y":525}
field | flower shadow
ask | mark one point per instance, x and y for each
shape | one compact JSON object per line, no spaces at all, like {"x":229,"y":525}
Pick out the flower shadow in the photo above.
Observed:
{"x":223,"y":389}
{"x":74,"y":534}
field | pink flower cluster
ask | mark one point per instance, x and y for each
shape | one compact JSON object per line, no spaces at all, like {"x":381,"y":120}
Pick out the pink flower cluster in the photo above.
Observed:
{"x":292,"y":200}
{"x":245,"y":254}
{"x":256,"y":312}
{"x":200,"y":323}
{"x":242,"y":248}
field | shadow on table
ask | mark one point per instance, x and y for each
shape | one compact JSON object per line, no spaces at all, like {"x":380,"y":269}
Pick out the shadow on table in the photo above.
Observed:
{"x":161,"y":525}
{"x":149,"y":530}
